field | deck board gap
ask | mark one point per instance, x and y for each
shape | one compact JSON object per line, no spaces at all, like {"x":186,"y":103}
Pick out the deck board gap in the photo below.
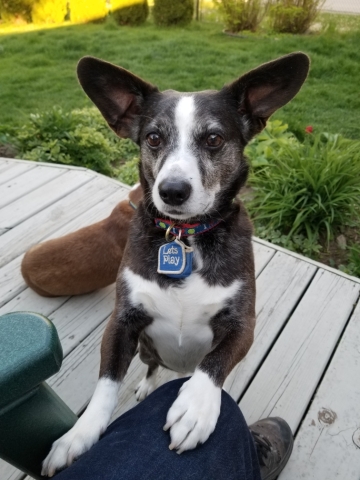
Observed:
{"x":260,"y":270}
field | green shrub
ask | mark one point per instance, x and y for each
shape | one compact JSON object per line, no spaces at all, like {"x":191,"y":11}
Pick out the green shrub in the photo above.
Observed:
{"x":49,"y":11}
{"x":310,"y":188}
{"x":272,"y":139}
{"x":87,"y":11}
{"x":297,"y":242}
{"x":11,"y":10}
{"x":79,"y":137}
{"x":135,"y":14}
{"x":242,"y":15}
{"x":129,"y":172}
{"x":293,"y":16}
{"x":173,"y":12}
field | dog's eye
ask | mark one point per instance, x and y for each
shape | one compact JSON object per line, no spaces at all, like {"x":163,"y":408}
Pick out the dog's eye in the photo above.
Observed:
{"x":214,"y":140}
{"x":153,"y":140}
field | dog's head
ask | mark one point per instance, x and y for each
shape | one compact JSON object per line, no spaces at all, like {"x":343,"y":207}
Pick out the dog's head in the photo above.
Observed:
{"x":192,"y":144}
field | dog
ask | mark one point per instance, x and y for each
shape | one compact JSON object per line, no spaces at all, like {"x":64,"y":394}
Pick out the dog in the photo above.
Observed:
{"x":186,"y":285}
{"x":71,"y":265}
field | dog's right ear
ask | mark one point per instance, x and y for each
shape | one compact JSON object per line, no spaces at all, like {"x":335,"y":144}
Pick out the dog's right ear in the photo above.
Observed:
{"x":118,"y":94}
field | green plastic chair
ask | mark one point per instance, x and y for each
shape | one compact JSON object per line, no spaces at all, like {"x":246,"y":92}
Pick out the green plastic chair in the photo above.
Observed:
{"x":32,"y":416}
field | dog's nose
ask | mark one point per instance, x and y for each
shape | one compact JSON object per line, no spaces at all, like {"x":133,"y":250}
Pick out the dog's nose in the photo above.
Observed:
{"x":174,"y":193}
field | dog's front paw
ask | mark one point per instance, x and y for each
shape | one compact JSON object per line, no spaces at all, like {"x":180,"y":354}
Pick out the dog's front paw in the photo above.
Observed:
{"x":193,"y":416}
{"x":145,"y":387}
{"x":70,"y":446}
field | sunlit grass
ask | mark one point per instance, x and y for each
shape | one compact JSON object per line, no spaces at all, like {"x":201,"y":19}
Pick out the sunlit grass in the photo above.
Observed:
{"x":37,"y":67}
{"x":11,"y":28}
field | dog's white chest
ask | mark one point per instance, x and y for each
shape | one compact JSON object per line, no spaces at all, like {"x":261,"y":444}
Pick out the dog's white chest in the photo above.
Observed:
{"x":180,"y":329}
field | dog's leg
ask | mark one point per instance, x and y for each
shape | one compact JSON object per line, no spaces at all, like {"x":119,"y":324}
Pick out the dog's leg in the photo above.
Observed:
{"x":147,"y":354}
{"x":194,"y":414}
{"x":118,"y":347}
{"x":87,"y":429}
{"x":147,"y":384}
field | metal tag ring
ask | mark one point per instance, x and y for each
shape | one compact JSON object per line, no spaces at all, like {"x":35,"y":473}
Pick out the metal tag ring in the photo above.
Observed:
{"x":168,"y":233}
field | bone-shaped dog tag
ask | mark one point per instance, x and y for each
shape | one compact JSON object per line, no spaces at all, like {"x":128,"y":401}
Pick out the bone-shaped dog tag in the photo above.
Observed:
{"x":175,"y":259}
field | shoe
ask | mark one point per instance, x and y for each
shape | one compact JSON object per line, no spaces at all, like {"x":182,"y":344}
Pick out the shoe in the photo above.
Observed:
{"x":274,"y":443}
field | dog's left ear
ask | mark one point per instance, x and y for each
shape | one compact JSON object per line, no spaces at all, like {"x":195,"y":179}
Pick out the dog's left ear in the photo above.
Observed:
{"x":262,"y":91}
{"x":118,"y":94}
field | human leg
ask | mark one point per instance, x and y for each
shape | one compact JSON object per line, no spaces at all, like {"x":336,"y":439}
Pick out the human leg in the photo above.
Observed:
{"x":136,"y":447}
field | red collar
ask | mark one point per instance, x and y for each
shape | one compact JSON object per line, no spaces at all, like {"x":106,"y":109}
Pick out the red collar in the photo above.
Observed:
{"x":186,"y":229}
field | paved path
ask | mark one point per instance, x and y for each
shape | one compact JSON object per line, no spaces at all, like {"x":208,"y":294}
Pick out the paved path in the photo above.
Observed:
{"x":344,"y":6}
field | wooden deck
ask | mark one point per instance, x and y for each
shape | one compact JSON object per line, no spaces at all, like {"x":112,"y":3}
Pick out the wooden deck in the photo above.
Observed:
{"x":304,"y":365}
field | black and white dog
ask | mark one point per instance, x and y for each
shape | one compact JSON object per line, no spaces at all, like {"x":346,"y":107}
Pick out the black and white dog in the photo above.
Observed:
{"x":186,"y":286}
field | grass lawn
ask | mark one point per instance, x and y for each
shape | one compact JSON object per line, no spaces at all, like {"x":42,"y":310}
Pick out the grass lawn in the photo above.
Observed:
{"x":37,"y":68}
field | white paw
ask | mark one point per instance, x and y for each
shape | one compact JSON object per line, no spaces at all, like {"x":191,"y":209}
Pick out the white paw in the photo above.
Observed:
{"x":145,"y":387}
{"x":194,"y":414}
{"x":70,"y":446}
{"x":86,"y":431}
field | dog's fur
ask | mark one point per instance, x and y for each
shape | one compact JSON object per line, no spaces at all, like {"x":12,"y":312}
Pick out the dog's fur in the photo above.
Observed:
{"x":82,"y":261}
{"x":191,"y":144}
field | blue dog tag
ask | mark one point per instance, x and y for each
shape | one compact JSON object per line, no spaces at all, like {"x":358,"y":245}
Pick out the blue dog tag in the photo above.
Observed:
{"x":175,"y":259}
{"x":188,"y":267}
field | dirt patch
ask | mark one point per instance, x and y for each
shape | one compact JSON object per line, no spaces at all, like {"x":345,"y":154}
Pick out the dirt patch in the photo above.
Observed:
{"x":333,"y":254}
{"x":8,"y":151}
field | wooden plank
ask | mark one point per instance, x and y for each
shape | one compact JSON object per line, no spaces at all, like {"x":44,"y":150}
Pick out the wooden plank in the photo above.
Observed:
{"x":7,"y":160}
{"x":8,"y":472}
{"x":279,"y":288}
{"x":30,"y":301}
{"x":290,"y":374}
{"x":80,"y":315}
{"x":16,"y":170}
{"x":327,"y":445}
{"x":260,"y":241}
{"x":42,"y":197}
{"x":51,"y":165}
{"x":11,"y":281}
{"x":75,"y":383}
{"x":5,"y":165}
{"x":31,"y":180}
{"x":262,"y":256}
{"x":32,"y":231}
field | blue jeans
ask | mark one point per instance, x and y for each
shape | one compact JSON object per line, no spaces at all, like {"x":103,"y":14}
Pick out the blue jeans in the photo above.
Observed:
{"x":135,"y":447}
